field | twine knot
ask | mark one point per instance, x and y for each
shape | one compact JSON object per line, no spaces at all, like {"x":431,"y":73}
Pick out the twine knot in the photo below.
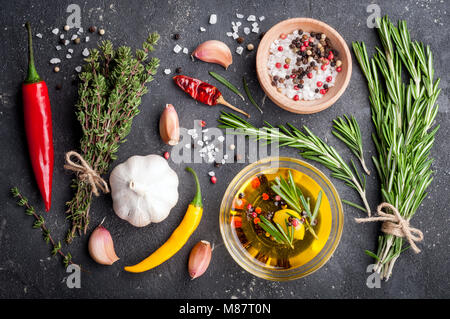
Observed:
{"x":85,"y":173}
{"x":394,"y":224}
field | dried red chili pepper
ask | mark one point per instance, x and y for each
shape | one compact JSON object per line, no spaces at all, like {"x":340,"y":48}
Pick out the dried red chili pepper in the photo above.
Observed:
{"x":38,"y":126}
{"x":203,"y":92}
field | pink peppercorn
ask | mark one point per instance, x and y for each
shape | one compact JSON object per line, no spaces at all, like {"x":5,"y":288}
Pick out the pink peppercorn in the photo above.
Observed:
{"x":338,"y":69}
{"x":278,"y":65}
{"x":280,"y":48}
{"x":213,"y":179}
{"x":293,"y":76}
{"x":254,"y":214}
{"x":277,"y":198}
{"x":309,"y":75}
{"x":296,"y":87}
{"x":323,"y":67}
{"x":306,"y":43}
{"x":329,"y":78}
{"x":295,"y":222}
{"x":296,"y":97}
{"x":249,"y":207}
{"x":323,"y":91}
{"x":302,"y":48}
{"x":330,"y":56}
{"x":286,"y":66}
{"x":166,"y":155}
{"x":319,"y":83}
{"x":283,"y":36}
{"x":311,"y":39}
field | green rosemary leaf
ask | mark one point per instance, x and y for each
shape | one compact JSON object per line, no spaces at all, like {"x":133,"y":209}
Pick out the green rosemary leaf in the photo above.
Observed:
{"x":250,"y":97}
{"x":316,"y":207}
{"x":270,"y":228}
{"x":353,"y":205}
{"x":225,"y":82}
{"x":283,"y":233}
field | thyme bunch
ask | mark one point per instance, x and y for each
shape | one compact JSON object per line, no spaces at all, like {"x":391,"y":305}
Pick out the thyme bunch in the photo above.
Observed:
{"x":403,"y":113}
{"x":40,"y":223}
{"x":111,"y":87}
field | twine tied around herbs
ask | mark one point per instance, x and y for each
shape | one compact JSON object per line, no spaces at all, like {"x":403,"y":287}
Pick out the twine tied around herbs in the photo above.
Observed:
{"x":85,"y":173}
{"x":394,"y":224}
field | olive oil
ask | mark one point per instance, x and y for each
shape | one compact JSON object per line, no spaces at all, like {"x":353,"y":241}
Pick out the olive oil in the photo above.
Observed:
{"x":258,"y":244}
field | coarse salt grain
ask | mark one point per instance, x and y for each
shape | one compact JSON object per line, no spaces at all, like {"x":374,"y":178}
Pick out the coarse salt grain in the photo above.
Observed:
{"x":85,"y":52}
{"x":185,"y":50}
{"x":87,"y":39}
{"x":66,"y":42}
{"x":238,"y":24}
{"x":251,"y":18}
{"x":255,"y":30}
{"x":212,"y":19}
{"x":55,"y":61}
{"x":55,"y":31}
{"x":70,"y":50}
{"x":177,"y":49}
{"x":167,"y":71}
{"x":188,"y":146}
{"x":247,"y":30}
{"x":235,"y":28}
{"x":239,"y":50}
{"x":74,"y":37}
{"x":61,"y":36}
{"x":235,"y":35}
{"x":229,"y":34}
{"x":78,"y":69}
{"x":211,"y":173}
{"x":58,"y":47}
{"x":239,"y":15}
{"x":68,"y":56}
{"x":255,"y":24}
{"x":221,"y":138}
{"x":202,"y":29}
{"x":262,"y":18}
{"x":39,"y":35}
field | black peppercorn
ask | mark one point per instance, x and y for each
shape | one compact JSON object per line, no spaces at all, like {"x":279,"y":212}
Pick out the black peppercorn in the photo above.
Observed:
{"x":58,"y":87}
{"x":300,"y":32}
{"x":300,"y":86}
{"x":241,"y":195}
{"x":178,"y":70}
{"x":92,"y":29}
{"x":275,"y":78}
{"x":333,"y":63}
{"x":312,"y":63}
{"x":316,"y":90}
{"x":176,"y":36}
{"x":325,"y":86}
{"x":240,"y":40}
{"x":313,"y":34}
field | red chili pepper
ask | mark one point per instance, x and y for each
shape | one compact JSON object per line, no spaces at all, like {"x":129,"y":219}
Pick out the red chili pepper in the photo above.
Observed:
{"x":38,"y":126}
{"x":203,"y":92}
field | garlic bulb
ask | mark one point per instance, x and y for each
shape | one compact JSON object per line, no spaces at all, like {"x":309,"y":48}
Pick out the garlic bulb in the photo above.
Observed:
{"x":214,"y":51}
{"x":144,"y":189}
{"x":101,"y":246}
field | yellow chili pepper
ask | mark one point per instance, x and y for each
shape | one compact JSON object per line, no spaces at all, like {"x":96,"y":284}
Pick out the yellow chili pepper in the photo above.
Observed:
{"x":178,"y":238}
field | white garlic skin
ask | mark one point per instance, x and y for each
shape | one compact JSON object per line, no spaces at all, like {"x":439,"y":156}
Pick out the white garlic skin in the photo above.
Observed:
{"x":144,"y":189}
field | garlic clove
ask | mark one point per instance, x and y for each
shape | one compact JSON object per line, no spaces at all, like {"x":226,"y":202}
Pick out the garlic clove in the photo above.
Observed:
{"x":101,"y":246}
{"x":214,"y":51}
{"x":169,"y":127}
{"x":199,"y":259}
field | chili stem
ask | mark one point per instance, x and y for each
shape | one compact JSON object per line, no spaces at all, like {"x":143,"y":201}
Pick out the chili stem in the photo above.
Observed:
{"x":32,"y":76}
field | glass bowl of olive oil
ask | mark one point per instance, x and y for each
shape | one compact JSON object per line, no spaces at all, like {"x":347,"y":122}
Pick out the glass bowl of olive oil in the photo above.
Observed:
{"x":281,"y":237}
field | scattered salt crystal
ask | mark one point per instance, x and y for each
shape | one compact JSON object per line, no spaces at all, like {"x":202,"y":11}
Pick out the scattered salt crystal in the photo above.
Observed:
{"x":233,"y":23}
{"x":225,"y":156}
{"x":229,"y":34}
{"x":255,"y":24}
{"x":87,"y":39}
{"x":188,"y":146}
{"x":70,"y":50}
{"x":235,"y":28}
{"x":85,"y":52}
{"x":55,"y":31}
{"x":212,"y":19}
{"x":262,"y":18}
{"x":55,"y":61}
{"x":191,"y":131}
{"x":238,"y":24}
{"x":74,"y":37}
{"x":247,"y":30}
{"x":205,"y":138}
{"x":78,"y":69}
{"x":66,"y":42}
{"x":39,"y":35}
{"x":239,"y":16}
{"x":80,"y":30}
{"x":68,"y":56}
{"x":177,"y":49}
{"x":235,"y":35}
{"x":200,"y":143}
{"x":211,"y":173}
{"x":251,"y":18}
{"x":255,"y":30}
{"x":202,"y":29}
{"x":167,"y":71}
{"x":205,"y":130}
{"x":185,"y":50}
{"x":221,"y":138}
{"x":58,"y":47}
{"x":223,"y":162}
{"x":61,"y":36}
{"x":239,"y":50}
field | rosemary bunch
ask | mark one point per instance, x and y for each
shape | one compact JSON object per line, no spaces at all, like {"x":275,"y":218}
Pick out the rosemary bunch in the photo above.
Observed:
{"x":111,"y":87}
{"x":311,"y":147}
{"x":40,"y":223}
{"x":403,"y":114}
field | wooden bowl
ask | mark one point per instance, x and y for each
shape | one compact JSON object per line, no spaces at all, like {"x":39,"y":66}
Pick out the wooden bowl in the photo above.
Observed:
{"x":303,"y":106}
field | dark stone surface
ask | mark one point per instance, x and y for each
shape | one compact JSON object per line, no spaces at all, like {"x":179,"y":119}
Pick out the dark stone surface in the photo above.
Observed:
{"x":26,"y":270}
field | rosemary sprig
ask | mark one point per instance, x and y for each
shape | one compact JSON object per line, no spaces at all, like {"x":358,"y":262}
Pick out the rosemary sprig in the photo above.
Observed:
{"x":293,"y":196}
{"x":311,"y":147}
{"x":403,"y":115}
{"x":348,"y":131}
{"x":227,"y":83}
{"x":110,"y":91}
{"x":249,"y":95}
{"x":40,"y":223}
